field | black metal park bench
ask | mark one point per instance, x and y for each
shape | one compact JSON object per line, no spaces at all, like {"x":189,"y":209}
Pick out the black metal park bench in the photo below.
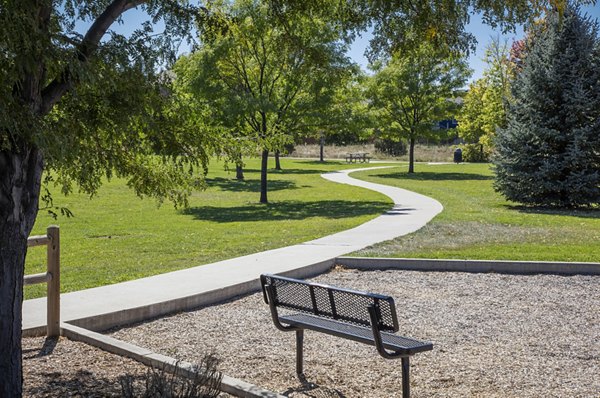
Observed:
{"x":364,"y":317}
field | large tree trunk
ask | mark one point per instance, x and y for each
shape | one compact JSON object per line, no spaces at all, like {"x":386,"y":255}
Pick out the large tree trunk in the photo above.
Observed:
{"x":21,"y":168}
{"x":264,"y":161}
{"x":411,"y":156}
{"x":263,"y":176}
{"x":20,"y":177}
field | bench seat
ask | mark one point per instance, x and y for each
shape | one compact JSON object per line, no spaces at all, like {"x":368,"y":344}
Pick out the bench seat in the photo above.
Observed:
{"x":399,"y":344}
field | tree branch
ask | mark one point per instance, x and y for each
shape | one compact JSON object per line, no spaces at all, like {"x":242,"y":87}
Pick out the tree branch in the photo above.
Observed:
{"x":62,"y":83}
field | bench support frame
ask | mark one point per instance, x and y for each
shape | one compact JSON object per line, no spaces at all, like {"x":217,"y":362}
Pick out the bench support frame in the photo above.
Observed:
{"x":300,"y":354}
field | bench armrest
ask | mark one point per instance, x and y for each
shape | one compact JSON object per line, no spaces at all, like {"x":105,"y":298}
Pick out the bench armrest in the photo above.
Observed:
{"x":377,"y":336}
{"x":269,"y":293}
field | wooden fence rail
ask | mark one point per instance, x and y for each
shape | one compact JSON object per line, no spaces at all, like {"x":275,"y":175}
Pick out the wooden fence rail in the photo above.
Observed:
{"x":52,"y":277}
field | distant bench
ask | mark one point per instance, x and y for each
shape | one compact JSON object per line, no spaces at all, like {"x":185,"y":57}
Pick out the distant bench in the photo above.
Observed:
{"x":364,"y":317}
{"x":362,"y":157}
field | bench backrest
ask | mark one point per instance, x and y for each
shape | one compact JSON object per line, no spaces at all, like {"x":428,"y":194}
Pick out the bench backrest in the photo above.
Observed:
{"x":330,"y":302}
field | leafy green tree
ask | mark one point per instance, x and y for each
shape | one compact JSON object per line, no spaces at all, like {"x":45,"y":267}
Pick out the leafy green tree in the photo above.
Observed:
{"x":412,"y":92}
{"x":81,"y":107}
{"x":340,"y":111}
{"x":256,"y":77}
{"x":484,"y":107}
{"x":470,"y":120}
{"x":549,"y":153}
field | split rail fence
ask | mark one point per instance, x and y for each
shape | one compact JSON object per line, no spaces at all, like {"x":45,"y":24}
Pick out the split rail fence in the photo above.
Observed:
{"x":52,"y":277}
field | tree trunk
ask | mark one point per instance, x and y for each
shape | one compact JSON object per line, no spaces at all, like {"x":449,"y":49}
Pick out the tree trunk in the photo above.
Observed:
{"x":20,"y":178}
{"x":263,"y":176}
{"x":277,"y":161}
{"x":21,"y":167}
{"x":411,"y":156}
{"x":239,"y":168}
{"x":322,"y":146}
{"x":239,"y":172}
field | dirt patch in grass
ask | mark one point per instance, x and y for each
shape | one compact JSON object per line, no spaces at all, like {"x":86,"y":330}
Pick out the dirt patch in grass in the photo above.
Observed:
{"x":477,"y":240}
{"x":457,"y":235}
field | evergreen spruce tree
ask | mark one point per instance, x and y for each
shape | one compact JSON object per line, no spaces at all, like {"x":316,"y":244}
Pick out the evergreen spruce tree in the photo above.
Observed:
{"x":549,"y":153}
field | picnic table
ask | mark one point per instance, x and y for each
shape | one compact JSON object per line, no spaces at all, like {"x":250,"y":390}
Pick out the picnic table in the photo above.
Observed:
{"x":358,"y":157}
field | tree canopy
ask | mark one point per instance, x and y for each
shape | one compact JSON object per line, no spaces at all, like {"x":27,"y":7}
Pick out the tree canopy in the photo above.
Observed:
{"x":415,"y":90}
{"x":79,"y":102}
{"x":260,"y":81}
{"x":484,"y":107}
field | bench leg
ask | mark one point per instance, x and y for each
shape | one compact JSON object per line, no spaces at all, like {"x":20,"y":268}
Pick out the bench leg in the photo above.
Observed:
{"x":405,"y":377}
{"x":299,"y":353}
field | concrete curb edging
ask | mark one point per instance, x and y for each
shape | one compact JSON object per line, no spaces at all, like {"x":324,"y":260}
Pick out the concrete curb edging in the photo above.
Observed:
{"x":475,"y":266}
{"x":204,"y":299}
{"x":229,"y":385}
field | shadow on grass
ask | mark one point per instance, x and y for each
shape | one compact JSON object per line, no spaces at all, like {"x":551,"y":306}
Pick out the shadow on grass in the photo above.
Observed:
{"x":249,"y":185}
{"x":288,"y":210}
{"x":286,"y":170}
{"x":297,"y":171}
{"x":327,"y":161}
{"x":430,"y":176}
{"x":551,"y":211}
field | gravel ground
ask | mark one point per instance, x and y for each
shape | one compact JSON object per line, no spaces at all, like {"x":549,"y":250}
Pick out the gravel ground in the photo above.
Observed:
{"x":65,"y":368}
{"x":494,"y":336}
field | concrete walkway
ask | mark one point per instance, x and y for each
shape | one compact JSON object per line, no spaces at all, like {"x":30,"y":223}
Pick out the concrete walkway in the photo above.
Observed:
{"x":157,"y":295}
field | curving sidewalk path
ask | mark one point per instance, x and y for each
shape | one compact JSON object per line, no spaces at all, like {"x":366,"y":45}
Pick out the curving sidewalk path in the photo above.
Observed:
{"x":140,"y":299}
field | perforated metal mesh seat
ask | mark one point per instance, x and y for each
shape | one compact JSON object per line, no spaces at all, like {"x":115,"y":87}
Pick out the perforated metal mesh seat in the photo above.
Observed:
{"x":399,"y":344}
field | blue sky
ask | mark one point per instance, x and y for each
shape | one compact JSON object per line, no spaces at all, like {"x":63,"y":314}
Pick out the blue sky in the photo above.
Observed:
{"x":483,"y":33}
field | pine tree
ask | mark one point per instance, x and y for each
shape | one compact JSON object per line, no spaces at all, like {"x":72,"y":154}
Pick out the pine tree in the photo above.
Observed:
{"x":549,"y":153}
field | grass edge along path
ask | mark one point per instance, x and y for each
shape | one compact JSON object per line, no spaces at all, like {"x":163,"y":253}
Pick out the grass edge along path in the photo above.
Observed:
{"x":117,"y":237}
{"x":478,"y":223}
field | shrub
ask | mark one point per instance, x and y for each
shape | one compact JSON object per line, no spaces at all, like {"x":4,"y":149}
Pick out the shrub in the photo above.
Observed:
{"x":474,"y":153}
{"x":202,"y":381}
{"x":390,"y":147}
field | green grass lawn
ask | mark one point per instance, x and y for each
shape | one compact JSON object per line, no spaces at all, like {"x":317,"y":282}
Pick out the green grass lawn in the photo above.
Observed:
{"x":117,"y":237}
{"x":477,"y":223}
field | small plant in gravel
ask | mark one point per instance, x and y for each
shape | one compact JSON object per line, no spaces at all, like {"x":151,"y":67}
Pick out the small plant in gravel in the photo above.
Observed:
{"x":201,"y":381}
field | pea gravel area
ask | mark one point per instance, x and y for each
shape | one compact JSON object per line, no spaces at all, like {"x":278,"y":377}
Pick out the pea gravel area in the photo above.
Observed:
{"x":494,"y":335}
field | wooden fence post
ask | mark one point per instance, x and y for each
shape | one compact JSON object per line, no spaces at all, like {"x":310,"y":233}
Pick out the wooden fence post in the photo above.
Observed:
{"x":53,"y":285}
